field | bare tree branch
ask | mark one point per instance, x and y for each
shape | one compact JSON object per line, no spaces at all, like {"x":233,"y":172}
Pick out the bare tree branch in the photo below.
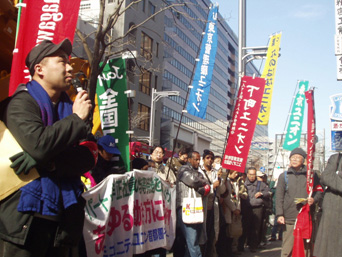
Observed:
{"x":102,"y":49}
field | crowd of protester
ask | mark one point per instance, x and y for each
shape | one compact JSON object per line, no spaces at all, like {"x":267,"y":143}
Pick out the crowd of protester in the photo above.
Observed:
{"x":236,"y":206}
{"x":45,"y":217}
{"x":242,"y":211}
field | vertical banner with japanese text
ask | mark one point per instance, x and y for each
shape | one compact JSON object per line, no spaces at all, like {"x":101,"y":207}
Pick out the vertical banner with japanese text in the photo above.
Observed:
{"x":338,"y":37}
{"x":294,"y":127}
{"x":336,"y":122}
{"x":309,"y":95}
{"x":39,"y":20}
{"x":269,"y":75}
{"x":199,"y":94}
{"x":244,"y":121}
{"x":129,"y":214}
{"x":113,"y":105}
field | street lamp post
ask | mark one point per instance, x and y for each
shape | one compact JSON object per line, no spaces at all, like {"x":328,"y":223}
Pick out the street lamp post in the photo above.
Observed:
{"x":254,"y":52}
{"x":154,"y":98}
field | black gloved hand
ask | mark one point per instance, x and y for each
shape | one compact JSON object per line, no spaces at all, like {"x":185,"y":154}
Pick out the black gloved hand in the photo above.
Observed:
{"x":22,"y":162}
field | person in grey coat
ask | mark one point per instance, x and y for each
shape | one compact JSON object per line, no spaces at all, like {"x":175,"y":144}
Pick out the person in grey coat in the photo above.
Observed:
{"x":329,"y":240}
{"x":291,"y":185}
{"x":258,"y":192}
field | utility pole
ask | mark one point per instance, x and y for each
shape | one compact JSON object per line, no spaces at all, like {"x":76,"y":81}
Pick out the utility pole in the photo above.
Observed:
{"x":242,"y":38}
{"x":254,"y":52}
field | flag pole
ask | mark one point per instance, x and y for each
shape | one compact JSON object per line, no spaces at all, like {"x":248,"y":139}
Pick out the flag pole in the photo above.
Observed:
{"x":20,"y":5}
{"x":286,"y":123}
{"x":186,"y":97}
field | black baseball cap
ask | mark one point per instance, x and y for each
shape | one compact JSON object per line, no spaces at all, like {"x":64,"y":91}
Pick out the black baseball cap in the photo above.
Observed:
{"x":44,"y":49}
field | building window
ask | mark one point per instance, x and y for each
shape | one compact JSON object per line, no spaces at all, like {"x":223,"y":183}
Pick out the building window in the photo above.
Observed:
{"x":155,"y":82}
{"x":144,"y":115}
{"x":85,"y":6}
{"x":110,"y":1}
{"x":157,"y":49}
{"x":145,"y":82}
{"x":151,"y":9}
{"x":146,"y":46}
{"x":143,"y":5}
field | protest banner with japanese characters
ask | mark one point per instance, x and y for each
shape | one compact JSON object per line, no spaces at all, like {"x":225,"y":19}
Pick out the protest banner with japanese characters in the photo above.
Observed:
{"x":199,"y":94}
{"x":294,"y":127}
{"x":309,"y":95}
{"x":129,"y":214}
{"x":244,"y":121}
{"x":338,"y":37}
{"x":113,"y":105}
{"x":269,"y":74}
{"x":40,"y":20}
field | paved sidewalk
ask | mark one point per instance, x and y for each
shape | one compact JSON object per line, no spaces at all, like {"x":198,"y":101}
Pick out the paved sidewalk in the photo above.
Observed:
{"x":272,"y":250}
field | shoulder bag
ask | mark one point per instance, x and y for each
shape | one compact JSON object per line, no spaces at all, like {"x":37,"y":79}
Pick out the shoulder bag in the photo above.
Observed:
{"x":192,"y":208}
{"x":9,"y":181}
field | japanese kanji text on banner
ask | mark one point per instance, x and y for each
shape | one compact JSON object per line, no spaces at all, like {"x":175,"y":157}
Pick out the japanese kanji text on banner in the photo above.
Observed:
{"x":113,"y":106}
{"x":129,"y":214}
{"x":309,"y":95}
{"x":244,"y":122}
{"x":40,"y":20}
{"x":199,"y":95}
{"x":294,"y":127}
{"x":269,"y":75}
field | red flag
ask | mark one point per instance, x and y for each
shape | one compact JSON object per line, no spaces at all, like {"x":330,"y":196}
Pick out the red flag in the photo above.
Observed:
{"x":303,"y":227}
{"x":244,"y":121}
{"x":298,"y":243}
{"x":302,"y":230}
{"x":54,"y":20}
{"x":309,"y":95}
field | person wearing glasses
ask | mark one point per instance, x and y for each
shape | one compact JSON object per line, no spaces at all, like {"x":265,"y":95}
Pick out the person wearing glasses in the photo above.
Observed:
{"x":157,"y":156}
{"x":291,"y":185}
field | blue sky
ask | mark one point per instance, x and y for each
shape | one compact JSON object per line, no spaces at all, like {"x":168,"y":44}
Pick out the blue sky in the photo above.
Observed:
{"x":307,"y":52}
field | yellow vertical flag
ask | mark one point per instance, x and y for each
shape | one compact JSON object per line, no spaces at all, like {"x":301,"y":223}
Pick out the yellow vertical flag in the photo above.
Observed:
{"x":269,"y":74}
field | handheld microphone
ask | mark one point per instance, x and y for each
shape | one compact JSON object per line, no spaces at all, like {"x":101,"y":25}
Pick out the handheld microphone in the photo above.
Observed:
{"x":77,"y":83}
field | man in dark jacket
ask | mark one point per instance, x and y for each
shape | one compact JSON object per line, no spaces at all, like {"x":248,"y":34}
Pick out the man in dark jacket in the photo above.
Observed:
{"x":291,"y":185}
{"x":189,"y":177}
{"x":177,"y":162}
{"x":258,"y":192}
{"x":45,"y":217}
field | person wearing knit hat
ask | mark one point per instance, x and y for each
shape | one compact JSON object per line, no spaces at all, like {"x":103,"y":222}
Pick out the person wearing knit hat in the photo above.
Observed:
{"x":292,"y":185}
{"x":298,"y":151}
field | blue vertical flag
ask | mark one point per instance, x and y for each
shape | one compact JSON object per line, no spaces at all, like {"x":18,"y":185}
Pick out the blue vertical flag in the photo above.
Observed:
{"x":199,"y":95}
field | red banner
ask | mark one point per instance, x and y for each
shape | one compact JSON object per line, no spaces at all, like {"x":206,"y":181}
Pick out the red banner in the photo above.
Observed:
{"x":244,"y":121}
{"x":54,"y":20}
{"x":309,"y":95}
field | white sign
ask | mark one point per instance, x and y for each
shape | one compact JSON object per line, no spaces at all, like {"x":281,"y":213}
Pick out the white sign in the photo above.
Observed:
{"x":339,"y":66}
{"x":129,"y":214}
{"x":338,"y":44}
{"x":336,"y":126}
{"x":338,"y":33}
